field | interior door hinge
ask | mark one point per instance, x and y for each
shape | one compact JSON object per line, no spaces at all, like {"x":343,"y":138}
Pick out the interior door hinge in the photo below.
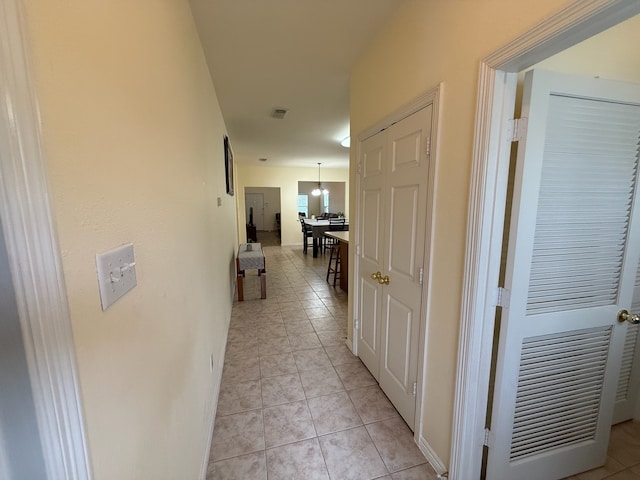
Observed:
{"x":356,"y":323}
{"x":415,"y":388}
{"x":502,"y":297}
{"x":357,"y":249}
{"x":421,"y":275}
{"x":488,"y":439}
{"x":359,"y":168}
{"x":517,"y":129}
{"x":428,"y":147}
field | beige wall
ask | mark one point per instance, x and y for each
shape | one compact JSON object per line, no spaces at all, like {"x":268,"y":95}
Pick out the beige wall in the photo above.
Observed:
{"x":337,"y":196}
{"x":132,"y":137}
{"x":425,"y":43}
{"x":611,"y":54}
{"x":286,"y":178}
{"x":314,"y":203}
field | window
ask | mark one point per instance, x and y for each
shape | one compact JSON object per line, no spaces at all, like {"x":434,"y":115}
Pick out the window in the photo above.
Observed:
{"x":303,"y":204}
{"x":325,"y":202}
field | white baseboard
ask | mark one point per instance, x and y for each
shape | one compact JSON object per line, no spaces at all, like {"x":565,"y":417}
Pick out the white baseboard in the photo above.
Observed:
{"x":349,"y":344}
{"x":212,"y":416}
{"x":433,"y":459}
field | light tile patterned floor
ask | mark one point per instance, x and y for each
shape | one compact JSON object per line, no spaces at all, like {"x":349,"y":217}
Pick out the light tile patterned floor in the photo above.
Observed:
{"x":294,"y":402}
{"x":623,"y":456}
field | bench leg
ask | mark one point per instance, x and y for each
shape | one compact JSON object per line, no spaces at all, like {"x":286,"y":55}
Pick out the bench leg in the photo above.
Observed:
{"x":240,"y":288}
{"x":263,"y":284}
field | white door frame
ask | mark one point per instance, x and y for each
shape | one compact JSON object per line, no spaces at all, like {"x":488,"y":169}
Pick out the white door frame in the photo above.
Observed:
{"x":35,"y":264}
{"x":496,"y":96}
{"x":428,"y":98}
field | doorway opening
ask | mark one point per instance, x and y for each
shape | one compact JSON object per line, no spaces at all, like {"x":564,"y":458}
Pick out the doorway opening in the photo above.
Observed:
{"x":497,"y":92}
{"x":262,"y":213}
{"x":333,"y":200}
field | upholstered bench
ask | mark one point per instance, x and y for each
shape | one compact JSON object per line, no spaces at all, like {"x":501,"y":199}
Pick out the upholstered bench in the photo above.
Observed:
{"x":250,"y":257}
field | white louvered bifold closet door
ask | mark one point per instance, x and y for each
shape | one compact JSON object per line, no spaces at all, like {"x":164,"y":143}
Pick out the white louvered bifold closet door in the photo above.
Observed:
{"x":571,"y":266}
{"x":629,"y":378}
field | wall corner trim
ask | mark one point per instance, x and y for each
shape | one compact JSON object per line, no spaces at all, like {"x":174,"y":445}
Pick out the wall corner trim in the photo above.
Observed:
{"x":35,"y":264}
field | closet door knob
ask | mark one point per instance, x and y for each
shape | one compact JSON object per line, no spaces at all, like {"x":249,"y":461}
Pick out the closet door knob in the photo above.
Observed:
{"x":625,"y":316}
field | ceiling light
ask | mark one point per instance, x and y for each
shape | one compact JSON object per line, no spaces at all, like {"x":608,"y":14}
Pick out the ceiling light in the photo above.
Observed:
{"x":346,"y":142}
{"x":316,"y":192}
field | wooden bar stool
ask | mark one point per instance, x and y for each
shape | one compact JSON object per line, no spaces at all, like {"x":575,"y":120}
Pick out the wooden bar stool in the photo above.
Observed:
{"x":334,"y":264}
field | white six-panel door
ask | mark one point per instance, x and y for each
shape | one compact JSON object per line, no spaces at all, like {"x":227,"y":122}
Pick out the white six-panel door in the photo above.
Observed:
{"x":571,"y":267}
{"x":405,"y":214}
{"x":373,"y":157}
{"x":393,"y":203}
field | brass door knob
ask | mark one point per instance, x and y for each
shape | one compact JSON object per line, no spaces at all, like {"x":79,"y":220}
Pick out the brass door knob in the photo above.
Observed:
{"x":625,"y":316}
{"x":384,"y":280}
{"x":376,"y":276}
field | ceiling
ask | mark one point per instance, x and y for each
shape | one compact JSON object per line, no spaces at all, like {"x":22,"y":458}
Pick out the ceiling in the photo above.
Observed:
{"x":287,"y":54}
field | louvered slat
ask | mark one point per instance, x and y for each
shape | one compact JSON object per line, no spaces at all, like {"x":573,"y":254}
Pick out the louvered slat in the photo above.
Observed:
{"x":629,"y":353}
{"x":588,"y":180}
{"x":559,"y":389}
{"x":627,"y":363}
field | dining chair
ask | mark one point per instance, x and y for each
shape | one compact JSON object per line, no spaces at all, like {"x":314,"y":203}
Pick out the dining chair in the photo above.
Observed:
{"x":336,"y":224}
{"x":307,"y":233}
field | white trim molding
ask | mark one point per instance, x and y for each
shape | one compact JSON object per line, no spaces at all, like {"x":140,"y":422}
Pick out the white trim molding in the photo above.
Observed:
{"x":34,"y":260}
{"x":432,"y":457}
{"x":496,"y":92}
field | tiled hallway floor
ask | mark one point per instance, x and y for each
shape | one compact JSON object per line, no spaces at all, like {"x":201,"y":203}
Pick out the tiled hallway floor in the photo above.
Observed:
{"x":294,"y":402}
{"x":623,"y":456}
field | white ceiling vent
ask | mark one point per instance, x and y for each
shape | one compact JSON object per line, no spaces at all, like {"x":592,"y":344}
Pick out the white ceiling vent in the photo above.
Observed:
{"x":279,"y":113}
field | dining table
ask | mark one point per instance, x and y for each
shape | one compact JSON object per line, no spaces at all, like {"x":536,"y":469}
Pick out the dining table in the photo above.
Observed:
{"x":319,"y":227}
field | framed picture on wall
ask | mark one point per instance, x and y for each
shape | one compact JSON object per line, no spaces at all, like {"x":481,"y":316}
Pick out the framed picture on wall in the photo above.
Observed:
{"x":228,"y":165}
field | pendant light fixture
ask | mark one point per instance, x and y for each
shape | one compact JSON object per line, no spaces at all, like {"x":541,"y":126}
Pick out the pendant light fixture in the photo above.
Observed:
{"x":319,"y":190}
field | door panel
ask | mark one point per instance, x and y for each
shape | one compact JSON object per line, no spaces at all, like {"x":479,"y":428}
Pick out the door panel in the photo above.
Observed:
{"x":393,"y":204}
{"x":572,"y":257}
{"x":371,"y":229}
{"x":369,"y":333}
{"x":404,"y":225}
{"x":255,"y":200}
{"x":407,"y":144}
{"x":370,"y":256}
{"x":406,"y":211}
{"x":629,"y":378}
{"x":400,"y":327}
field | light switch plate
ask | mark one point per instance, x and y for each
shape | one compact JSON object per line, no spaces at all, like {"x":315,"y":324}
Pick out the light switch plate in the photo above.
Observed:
{"x":116,"y":273}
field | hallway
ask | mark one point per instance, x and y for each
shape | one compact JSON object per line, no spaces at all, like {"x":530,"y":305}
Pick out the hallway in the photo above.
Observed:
{"x":294,"y":402}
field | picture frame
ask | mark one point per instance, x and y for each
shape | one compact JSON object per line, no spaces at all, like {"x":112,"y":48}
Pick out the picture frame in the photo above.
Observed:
{"x":228,"y":165}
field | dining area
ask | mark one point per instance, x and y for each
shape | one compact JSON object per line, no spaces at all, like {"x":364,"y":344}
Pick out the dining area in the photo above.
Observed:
{"x":328,"y":233}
